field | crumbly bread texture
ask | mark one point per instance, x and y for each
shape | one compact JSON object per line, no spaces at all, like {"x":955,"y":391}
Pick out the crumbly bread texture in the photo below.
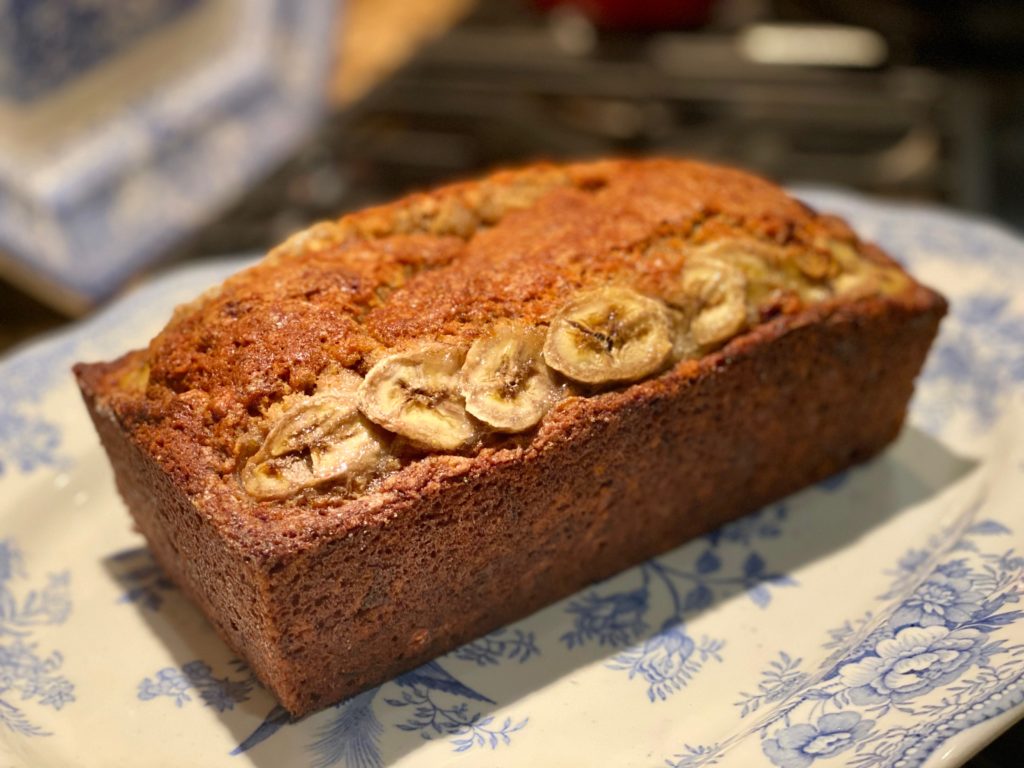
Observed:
{"x":406,"y":428}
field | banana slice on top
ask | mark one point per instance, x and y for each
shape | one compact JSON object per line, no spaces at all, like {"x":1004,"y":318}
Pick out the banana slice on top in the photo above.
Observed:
{"x":505,"y":381}
{"x":715,"y":295}
{"x":322,"y":439}
{"x":859,"y":277}
{"x":608,"y":335}
{"x":760,"y":263}
{"x":416,"y":394}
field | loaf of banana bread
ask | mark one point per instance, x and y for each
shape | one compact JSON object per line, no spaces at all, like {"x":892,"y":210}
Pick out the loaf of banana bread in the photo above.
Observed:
{"x":408,"y":427}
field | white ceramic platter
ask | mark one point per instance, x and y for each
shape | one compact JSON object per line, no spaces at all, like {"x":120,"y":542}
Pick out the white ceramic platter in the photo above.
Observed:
{"x":870,"y":621}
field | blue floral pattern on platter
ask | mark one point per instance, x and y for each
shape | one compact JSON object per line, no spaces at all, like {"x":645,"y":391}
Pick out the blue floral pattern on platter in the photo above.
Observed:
{"x":29,"y":440}
{"x":938,"y":650}
{"x":28,"y":675}
{"x":143,"y":581}
{"x":943,"y":612}
{"x":668,"y":659}
{"x":196,"y":679}
{"x":435,"y":704}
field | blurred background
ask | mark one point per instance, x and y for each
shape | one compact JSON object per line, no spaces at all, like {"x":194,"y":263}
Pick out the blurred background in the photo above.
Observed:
{"x":135,"y":134}
{"x":144,"y":132}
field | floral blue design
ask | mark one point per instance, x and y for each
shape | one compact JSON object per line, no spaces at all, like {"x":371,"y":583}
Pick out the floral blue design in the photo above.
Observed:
{"x":798,"y":746}
{"x":912,"y":662}
{"x":977,"y":358}
{"x":28,"y":439}
{"x":936,"y":632}
{"x":144,"y":582}
{"x":781,"y":678}
{"x":614,"y":620}
{"x":433,"y":702}
{"x":481,"y":733}
{"x":510,"y":643}
{"x":439,"y":706}
{"x":351,"y":738}
{"x":765,"y":524}
{"x":667,"y":660}
{"x":23,"y":670}
{"x":440,"y":703}
{"x":697,"y":756}
{"x":945,"y":599}
{"x":170,"y":682}
{"x":197,"y":678}
{"x":29,"y":442}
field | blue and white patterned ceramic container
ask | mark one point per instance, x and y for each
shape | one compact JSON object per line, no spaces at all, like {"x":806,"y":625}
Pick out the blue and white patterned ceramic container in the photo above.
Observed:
{"x":125,"y":125}
{"x":873,"y":620}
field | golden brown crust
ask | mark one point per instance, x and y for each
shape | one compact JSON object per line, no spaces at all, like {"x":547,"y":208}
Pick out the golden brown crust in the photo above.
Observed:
{"x":445,"y":265}
{"x":823,"y":382}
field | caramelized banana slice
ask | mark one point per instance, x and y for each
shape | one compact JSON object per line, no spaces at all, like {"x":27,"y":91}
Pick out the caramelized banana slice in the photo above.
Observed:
{"x":322,"y":439}
{"x":416,"y":394}
{"x":760,"y":263}
{"x":505,"y":381}
{"x":814,"y":264}
{"x":860,"y":277}
{"x":715,"y":295}
{"x":609,"y":335}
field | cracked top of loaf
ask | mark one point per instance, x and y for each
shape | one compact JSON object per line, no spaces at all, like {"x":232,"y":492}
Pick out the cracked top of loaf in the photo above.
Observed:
{"x":248,"y":396}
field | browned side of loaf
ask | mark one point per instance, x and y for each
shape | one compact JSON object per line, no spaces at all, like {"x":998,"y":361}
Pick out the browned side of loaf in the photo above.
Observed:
{"x":212,"y":570}
{"x":648,"y":468}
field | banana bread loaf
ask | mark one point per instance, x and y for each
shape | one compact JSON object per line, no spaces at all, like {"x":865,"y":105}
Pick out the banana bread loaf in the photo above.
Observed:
{"x":406,"y":428}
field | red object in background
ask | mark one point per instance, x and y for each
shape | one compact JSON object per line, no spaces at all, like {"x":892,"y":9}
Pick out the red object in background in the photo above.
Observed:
{"x":638,"y":14}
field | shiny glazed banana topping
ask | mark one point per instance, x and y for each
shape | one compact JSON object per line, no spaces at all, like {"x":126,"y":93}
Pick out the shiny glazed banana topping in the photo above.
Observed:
{"x":324,"y":439}
{"x":416,"y":395}
{"x":505,"y":381}
{"x":444,"y":397}
{"x":714,"y":298}
{"x":609,"y":335}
